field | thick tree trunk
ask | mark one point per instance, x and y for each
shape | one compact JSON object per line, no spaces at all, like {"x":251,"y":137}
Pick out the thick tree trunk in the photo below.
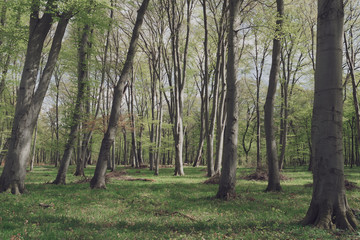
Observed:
{"x":329,"y":207}
{"x":229,"y":162}
{"x":98,"y":180}
{"x":28,"y":102}
{"x":271,"y":149}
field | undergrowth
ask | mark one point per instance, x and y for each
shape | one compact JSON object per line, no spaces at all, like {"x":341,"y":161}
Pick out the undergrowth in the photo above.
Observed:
{"x":162,"y":207}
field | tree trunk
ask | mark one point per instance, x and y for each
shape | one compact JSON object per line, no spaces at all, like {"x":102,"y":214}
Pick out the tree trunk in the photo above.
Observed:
{"x":29,"y":102}
{"x":221,"y":114}
{"x":98,"y":180}
{"x":33,"y":149}
{"x":350,"y":62}
{"x":271,"y":149}
{"x":77,"y":111}
{"x":229,"y":162}
{"x":201,"y":135}
{"x":329,"y":207}
{"x":208,"y":133}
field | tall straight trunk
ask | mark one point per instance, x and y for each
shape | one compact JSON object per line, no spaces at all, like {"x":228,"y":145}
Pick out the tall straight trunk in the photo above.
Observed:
{"x":229,"y":162}
{"x":221,"y":114}
{"x":77,"y":111}
{"x":201,"y":135}
{"x":125,"y":146}
{"x":350,"y":62}
{"x":33,"y":149}
{"x":98,"y":180}
{"x":139,"y":147}
{"x":271,"y":149}
{"x":178,"y":73}
{"x":284,"y":114}
{"x":29,"y":101}
{"x":86,"y":149}
{"x":209,"y":134}
{"x":57,"y":151}
{"x":133,"y":127}
{"x":159,"y":126}
{"x":329,"y":208}
{"x":152,"y":126}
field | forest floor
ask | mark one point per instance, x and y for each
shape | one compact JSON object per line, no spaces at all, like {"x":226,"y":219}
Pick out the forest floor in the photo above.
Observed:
{"x":166,"y":207}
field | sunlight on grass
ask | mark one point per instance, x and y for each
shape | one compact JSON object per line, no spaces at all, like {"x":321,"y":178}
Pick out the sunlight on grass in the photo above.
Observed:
{"x":170,"y":207}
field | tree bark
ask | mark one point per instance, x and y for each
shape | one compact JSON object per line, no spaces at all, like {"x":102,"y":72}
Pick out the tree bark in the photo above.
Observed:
{"x":329,"y":208}
{"x":229,"y":162}
{"x":33,"y":149}
{"x":271,"y":149}
{"x":29,"y":101}
{"x":77,"y":111}
{"x":98,"y":180}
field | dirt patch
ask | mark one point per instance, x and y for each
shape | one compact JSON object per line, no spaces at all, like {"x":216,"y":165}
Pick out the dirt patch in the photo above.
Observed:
{"x":213,"y":180}
{"x":262,"y":176}
{"x":83,"y":180}
{"x":117,"y":175}
{"x":123,"y":175}
{"x":348,"y":185}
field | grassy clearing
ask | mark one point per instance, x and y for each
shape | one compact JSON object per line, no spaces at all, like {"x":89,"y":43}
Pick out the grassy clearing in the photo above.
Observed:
{"x":169,"y":208}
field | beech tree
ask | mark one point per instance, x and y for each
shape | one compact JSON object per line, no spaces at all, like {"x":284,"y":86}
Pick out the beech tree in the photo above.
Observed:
{"x":329,"y":208}
{"x":98,"y":180}
{"x":32,"y":91}
{"x":271,"y":149}
{"x":77,"y":111}
{"x":229,"y":162}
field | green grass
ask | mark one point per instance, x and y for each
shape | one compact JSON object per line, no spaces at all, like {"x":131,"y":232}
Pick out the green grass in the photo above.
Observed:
{"x":169,"y":208}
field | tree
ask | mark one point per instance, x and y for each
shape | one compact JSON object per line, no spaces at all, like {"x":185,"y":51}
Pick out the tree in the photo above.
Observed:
{"x":271,"y":149}
{"x":77,"y":111}
{"x":329,"y":207}
{"x":229,"y":162}
{"x":98,"y":180}
{"x":176,"y":72}
{"x":31,"y":93}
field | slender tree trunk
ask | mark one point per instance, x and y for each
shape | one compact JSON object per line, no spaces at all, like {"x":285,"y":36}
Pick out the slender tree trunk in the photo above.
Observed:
{"x":221,"y":114}
{"x":159,"y":129}
{"x":77,"y":111}
{"x":229,"y":162}
{"x":329,"y":208}
{"x":208,"y":133}
{"x":29,"y":102}
{"x":350,"y":63}
{"x":33,"y":149}
{"x":57,"y":151}
{"x":98,"y":180}
{"x":133,"y":127}
{"x":201,"y":140}
{"x":271,"y":149}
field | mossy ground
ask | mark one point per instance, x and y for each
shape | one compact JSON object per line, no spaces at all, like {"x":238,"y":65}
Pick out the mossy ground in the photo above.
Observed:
{"x":168,"y":208}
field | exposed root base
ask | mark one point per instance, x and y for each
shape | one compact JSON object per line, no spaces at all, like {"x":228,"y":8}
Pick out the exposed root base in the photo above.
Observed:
{"x":59,"y":182}
{"x":79,"y":174}
{"x":214,"y":179}
{"x":330,"y":217}
{"x":273,"y":188}
{"x":226,"y":195}
{"x":94,"y":184}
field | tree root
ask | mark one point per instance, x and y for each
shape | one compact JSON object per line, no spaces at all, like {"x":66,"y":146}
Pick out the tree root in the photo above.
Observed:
{"x":328,"y":216}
